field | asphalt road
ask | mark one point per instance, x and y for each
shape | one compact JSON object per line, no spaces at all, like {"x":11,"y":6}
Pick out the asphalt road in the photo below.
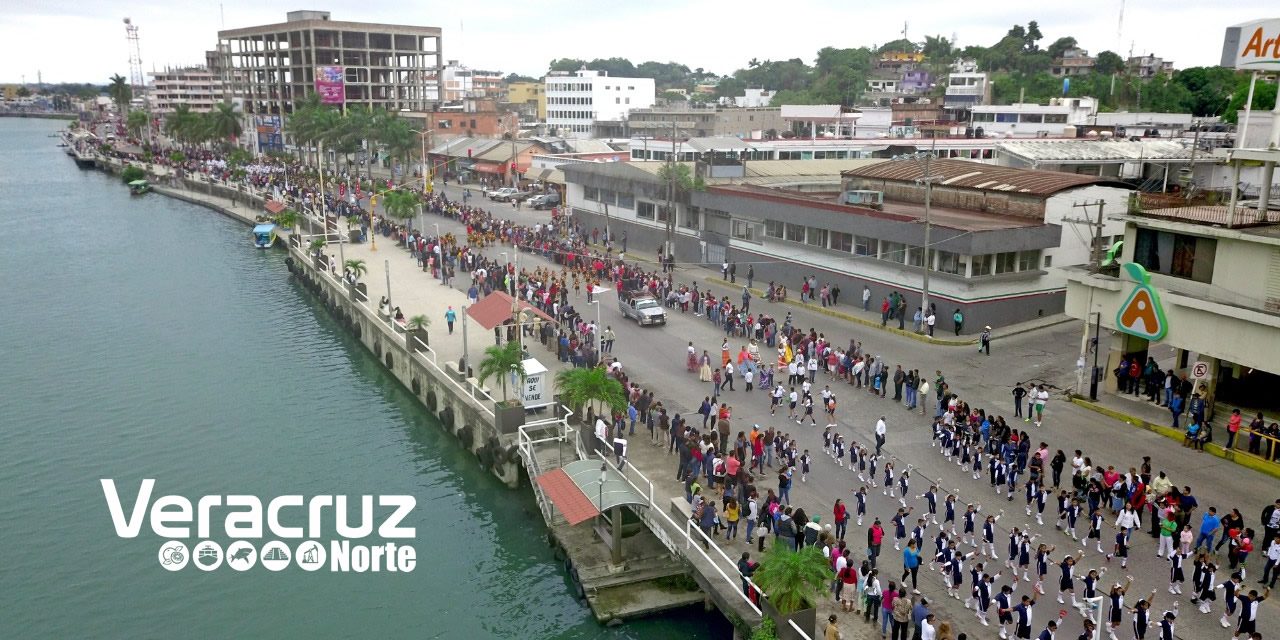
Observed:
{"x":656,"y":356}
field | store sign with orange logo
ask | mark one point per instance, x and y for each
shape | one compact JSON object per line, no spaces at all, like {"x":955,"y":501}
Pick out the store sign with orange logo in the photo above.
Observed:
{"x":1253,"y":45}
{"x":1142,"y":315}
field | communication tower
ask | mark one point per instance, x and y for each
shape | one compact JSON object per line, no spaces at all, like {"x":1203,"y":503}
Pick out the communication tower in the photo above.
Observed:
{"x":135,"y":57}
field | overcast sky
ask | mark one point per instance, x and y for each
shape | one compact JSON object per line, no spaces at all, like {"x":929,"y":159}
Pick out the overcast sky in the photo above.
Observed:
{"x":84,"y":41}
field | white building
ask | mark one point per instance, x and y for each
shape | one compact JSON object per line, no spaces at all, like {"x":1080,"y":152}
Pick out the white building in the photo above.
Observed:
{"x":196,"y":87}
{"x":754,"y":97}
{"x":1034,"y":120}
{"x":576,"y":102}
{"x":460,"y":82}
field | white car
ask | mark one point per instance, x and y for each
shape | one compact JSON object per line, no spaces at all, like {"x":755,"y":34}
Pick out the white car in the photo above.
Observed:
{"x":502,"y":194}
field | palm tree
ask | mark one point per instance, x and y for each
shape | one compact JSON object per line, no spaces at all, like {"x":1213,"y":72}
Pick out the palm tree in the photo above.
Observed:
{"x":180,"y":125}
{"x":500,"y":361}
{"x":395,"y":136}
{"x":120,"y":91}
{"x":356,"y":267}
{"x":300,"y":124}
{"x":401,"y":205}
{"x":593,"y":388}
{"x":794,"y":580}
{"x":223,"y":123}
{"x":136,"y":122}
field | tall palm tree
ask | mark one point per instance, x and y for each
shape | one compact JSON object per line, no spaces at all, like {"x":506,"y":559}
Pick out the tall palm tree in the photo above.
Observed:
{"x":794,"y":580}
{"x":395,"y":136}
{"x":300,"y":124}
{"x":593,"y":388}
{"x":499,"y":361}
{"x":120,"y":91}
{"x":401,"y":205}
{"x":136,"y":122}
{"x":180,"y":125}
{"x":224,"y":123}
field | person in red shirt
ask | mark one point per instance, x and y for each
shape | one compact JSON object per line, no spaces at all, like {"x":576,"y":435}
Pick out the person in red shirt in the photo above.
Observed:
{"x":840,"y":517}
{"x":1233,"y":426}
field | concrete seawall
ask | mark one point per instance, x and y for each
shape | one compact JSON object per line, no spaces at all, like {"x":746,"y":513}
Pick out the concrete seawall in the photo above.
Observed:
{"x":444,"y":394}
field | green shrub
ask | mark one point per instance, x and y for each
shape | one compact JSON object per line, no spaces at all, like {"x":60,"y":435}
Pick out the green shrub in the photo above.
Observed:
{"x":132,"y":173}
{"x":766,"y":631}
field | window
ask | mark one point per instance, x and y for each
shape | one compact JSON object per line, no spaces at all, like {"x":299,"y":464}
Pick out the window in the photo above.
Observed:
{"x":1048,"y":261}
{"x":608,"y":197}
{"x":617,"y":100}
{"x":795,"y":232}
{"x":915,"y":256}
{"x":1029,"y":260}
{"x":1006,"y":117}
{"x":692,"y":219}
{"x":645,"y":210}
{"x":1033,"y":117}
{"x":1175,"y":254}
{"x":591,"y":193}
{"x":841,"y":241}
{"x":473,"y":123}
{"x":817,"y":237}
{"x":981,"y":265}
{"x":949,"y":262}
{"x":1055,"y":118}
{"x":1006,"y":262}
{"x":626,"y":201}
{"x":664,"y":214}
{"x":774,"y":228}
{"x":745,"y":230}
{"x":893,"y":251}
{"x":864,"y":246}
{"x":984,"y":117}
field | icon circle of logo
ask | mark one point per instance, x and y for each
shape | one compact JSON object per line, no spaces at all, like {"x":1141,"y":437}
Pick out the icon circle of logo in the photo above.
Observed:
{"x":207,"y":555}
{"x":275,"y":556}
{"x":173,"y":555}
{"x":310,"y":555}
{"x":241,"y":555}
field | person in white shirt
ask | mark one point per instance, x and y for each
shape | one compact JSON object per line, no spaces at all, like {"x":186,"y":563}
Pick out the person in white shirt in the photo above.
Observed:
{"x":882,"y":430}
{"x":927,"y":629}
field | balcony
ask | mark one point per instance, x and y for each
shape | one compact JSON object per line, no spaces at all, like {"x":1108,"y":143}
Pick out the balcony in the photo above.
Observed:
{"x":1203,"y":207}
{"x":965,"y":90}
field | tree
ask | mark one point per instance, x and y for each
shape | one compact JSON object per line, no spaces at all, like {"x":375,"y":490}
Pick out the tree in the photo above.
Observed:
{"x":1211,"y":88}
{"x":682,"y":177}
{"x":672,"y":96}
{"x":356,"y":267}
{"x":1264,"y":99}
{"x":618,"y":67}
{"x":500,"y":361}
{"x":516,"y":77}
{"x":730,"y":87}
{"x":937,"y":49}
{"x":593,"y":388}
{"x":1033,"y":36}
{"x":1107,"y":63}
{"x":132,"y":173}
{"x":753,"y":63}
{"x":401,"y":205}
{"x":223,"y":123}
{"x":1060,"y":46}
{"x":120,"y":91}
{"x":794,"y":580}
{"x":23,"y":92}
{"x":566,"y":64}
{"x":136,"y":122}
{"x":182,"y":124}
{"x":901,"y":45}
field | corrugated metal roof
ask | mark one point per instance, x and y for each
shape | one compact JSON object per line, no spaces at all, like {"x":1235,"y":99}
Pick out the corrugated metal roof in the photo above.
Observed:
{"x":1095,"y":150}
{"x":717,"y":143}
{"x":975,"y":175}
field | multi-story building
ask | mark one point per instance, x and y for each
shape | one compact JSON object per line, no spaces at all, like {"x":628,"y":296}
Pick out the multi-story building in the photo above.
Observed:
{"x":753,"y":123}
{"x":196,"y":87}
{"x":529,"y":96}
{"x":1073,"y":62}
{"x":752,"y":97}
{"x":1033,"y":120}
{"x":999,"y":236}
{"x":381,"y":66}
{"x":575,"y":103}
{"x":965,"y":90}
{"x":1148,"y":66}
{"x":459,"y":82}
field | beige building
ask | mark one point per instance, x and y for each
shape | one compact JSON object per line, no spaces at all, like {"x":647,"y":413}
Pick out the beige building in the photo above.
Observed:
{"x":196,"y":87}
{"x":382,"y":66}
{"x":691,"y":122}
{"x":524,"y":94}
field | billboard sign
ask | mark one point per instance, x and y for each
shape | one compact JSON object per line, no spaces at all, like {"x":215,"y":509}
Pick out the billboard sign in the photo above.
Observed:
{"x":269,"y":138}
{"x":1253,"y":46}
{"x":330,"y":85}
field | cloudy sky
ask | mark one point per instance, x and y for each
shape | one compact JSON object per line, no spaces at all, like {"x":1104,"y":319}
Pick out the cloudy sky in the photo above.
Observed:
{"x":84,"y":41}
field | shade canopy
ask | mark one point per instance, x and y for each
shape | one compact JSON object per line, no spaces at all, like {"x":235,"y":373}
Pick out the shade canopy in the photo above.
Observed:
{"x":576,"y":490}
{"x":495,"y":309}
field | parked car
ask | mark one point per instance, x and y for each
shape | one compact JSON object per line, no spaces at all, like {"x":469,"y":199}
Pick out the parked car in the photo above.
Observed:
{"x":545,"y":201}
{"x":643,"y":308}
{"x":500,"y":195}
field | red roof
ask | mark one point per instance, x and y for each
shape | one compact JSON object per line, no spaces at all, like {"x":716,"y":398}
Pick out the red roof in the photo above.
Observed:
{"x":274,"y":206}
{"x":567,"y":497}
{"x":495,"y":309}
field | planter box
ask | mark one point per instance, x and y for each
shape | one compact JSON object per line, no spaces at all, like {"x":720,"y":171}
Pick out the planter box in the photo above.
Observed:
{"x":806,"y":619}
{"x":508,"y":418}
{"x":420,"y":334}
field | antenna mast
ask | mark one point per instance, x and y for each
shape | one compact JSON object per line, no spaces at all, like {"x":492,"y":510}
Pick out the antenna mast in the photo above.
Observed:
{"x":135,"y":57}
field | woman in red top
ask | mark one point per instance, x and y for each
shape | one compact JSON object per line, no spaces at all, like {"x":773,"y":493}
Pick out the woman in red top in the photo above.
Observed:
{"x":1233,"y":425}
{"x":840,"y":517}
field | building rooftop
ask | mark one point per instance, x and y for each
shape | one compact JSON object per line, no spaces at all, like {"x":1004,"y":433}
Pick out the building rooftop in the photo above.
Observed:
{"x":1095,"y":150}
{"x":984,"y":177}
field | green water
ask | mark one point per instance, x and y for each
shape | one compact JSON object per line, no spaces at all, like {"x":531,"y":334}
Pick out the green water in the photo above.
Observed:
{"x":146,"y":338}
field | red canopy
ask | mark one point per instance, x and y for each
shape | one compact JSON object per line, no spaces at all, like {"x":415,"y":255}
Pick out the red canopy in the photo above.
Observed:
{"x":495,"y":309}
{"x":274,"y":206}
{"x":567,"y":496}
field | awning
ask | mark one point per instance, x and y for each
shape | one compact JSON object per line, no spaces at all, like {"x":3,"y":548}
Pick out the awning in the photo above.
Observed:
{"x":577,"y":492}
{"x":274,"y":206}
{"x":495,"y":309}
{"x":488,"y":167}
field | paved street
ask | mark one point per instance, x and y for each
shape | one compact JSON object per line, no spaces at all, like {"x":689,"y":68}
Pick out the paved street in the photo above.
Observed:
{"x":655,"y":356}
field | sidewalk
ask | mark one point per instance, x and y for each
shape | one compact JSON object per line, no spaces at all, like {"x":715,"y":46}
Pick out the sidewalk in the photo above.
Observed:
{"x":1141,"y":413}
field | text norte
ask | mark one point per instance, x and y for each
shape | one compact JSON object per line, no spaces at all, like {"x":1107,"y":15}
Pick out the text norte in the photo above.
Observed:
{"x":171,"y":516}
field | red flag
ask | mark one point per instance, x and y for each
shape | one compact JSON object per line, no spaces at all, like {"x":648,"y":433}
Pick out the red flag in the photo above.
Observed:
{"x":342,"y":190}
{"x":358,"y":196}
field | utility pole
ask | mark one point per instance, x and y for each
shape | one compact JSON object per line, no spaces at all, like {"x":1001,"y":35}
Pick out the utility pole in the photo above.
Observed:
{"x":928,"y":249}
{"x":1095,"y":266}
{"x":671,"y":196}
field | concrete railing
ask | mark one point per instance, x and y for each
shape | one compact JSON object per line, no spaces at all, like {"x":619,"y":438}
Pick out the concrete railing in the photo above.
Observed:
{"x":527,"y":446}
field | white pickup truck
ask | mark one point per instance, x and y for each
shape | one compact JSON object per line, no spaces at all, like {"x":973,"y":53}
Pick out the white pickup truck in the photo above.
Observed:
{"x":643,"y":308}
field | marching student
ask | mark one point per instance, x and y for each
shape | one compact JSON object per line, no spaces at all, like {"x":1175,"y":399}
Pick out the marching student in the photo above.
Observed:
{"x":1022,"y":615}
{"x":1095,"y":529}
{"x":904,"y":481}
{"x":1230,"y":589}
{"x":1004,"y":612}
{"x":982,"y":595}
{"x":861,"y":496}
{"x":1141,"y":616}
{"x":1166,"y":623}
{"x":1202,"y":586}
{"x":950,"y":514}
{"x":804,"y":466}
{"x":1176,"y":577}
{"x":1115,"y":613}
{"x":1249,"y":612}
{"x":970,"y":513}
{"x":899,"y":527}
{"x":1121,"y":549}
{"x":1066,"y":583}
{"x":989,"y":535}
{"x":931,"y":498}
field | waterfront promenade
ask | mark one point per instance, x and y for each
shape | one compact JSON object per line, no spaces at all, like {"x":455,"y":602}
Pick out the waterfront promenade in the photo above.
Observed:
{"x":653,"y":357}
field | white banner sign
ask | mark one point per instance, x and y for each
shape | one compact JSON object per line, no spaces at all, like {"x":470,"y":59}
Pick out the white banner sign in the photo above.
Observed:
{"x":1253,"y":46}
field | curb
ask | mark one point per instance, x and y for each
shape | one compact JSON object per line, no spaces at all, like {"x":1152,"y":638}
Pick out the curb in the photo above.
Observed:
{"x":1215,"y":449}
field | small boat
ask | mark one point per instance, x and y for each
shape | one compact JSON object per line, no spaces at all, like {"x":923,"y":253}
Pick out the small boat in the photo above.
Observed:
{"x":264,"y":235}
{"x":139,"y":187}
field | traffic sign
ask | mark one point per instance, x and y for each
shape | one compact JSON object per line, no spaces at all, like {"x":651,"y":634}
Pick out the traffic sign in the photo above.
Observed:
{"x":1200,"y":370}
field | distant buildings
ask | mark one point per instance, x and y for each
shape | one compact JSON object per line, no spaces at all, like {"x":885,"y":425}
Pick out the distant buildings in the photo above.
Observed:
{"x":269,"y":68}
{"x":965,"y":90}
{"x":577,"y":102}
{"x":459,"y":82}
{"x":754,"y":97}
{"x":1034,"y":120}
{"x":1148,"y":66}
{"x":529,"y":98}
{"x":1073,"y":62}
{"x":746,"y":122}
{"x":196,"y":87}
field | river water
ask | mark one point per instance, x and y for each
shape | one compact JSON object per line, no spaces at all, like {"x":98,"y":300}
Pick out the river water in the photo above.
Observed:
{"x":146,"y":338}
